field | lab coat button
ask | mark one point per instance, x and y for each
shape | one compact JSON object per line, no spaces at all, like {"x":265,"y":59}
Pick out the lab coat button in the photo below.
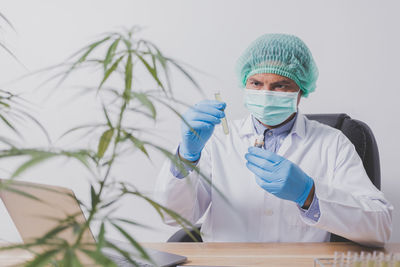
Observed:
{"x":316,"y":215}
{"x":269,"y":212}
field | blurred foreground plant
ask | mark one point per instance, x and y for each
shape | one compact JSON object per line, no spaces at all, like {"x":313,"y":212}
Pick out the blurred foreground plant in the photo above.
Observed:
{"x":15,"y":111}
{"x":125,"y":58}
{"x":5,"y":21}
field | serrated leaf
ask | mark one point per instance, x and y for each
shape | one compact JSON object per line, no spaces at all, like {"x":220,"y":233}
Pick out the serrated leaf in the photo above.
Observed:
{"x":20,"y":192}
{"x":30,"y":163}
{"x":110,"y":70}
{"x":176,"y":216}
{"x":7,"y":21}
{"x":53,"y":232}
{"x":110,"y":53}
{"x":107,"y":117}
{"x":90,"y":49}
{"x":104,"y":142}
{"x":4,"y":104}
{"x":133,"y":242}
{"x":137,"y":143}
{"x":81,"y":156}
{"x":9,"y":124}
{"x":11,"y":53}
{"x":127,"y":255}
{"x":70,"y":259}
{"x":185,"y":73}
{"x":109,"y":203}
{"x":94,"y":197}
{"x":43,"y":259}
{"x":82,"y":59}
{"x":94,"y":126}
{"x":128,"y":73}
{"x":150,"y":69}
{"x":134,"y":223}
{"x":146,"y":102}
{"x":100,"y":238}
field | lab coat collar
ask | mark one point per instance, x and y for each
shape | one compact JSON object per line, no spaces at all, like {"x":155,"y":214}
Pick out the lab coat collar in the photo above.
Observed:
{"x":247,"y":127}
{"x":299,"y":128}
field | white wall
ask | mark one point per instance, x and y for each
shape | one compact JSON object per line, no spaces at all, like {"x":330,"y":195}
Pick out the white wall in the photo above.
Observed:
{"x":355,"y":44}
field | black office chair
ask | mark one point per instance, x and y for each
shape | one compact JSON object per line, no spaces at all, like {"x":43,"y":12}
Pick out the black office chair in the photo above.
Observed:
{"x":358,"y":133}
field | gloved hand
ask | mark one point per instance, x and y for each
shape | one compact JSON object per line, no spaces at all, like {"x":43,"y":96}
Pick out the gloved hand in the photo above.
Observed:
{"x":278,"y":175}
{"x":202,"y":117}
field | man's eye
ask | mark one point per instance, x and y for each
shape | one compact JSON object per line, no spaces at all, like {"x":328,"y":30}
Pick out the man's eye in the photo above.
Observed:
{"x":281,"y":86}
{"x":256,"y":83}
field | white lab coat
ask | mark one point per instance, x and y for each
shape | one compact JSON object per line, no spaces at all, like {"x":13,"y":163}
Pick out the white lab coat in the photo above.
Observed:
{"x":350,"y":205}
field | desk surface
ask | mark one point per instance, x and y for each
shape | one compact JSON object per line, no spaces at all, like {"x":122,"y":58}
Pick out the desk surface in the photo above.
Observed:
{"x":238,"y":254}
{"x":260,"y":254}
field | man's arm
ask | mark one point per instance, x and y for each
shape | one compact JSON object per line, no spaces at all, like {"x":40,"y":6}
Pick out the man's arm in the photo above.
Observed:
{"x":351,"y":206}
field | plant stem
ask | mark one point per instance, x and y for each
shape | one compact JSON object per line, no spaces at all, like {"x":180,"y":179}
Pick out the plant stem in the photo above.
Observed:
{"x":104,"y":180}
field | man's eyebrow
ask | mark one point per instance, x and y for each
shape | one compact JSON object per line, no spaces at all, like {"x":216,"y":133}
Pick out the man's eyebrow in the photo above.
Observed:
{"x":283,"y":81}
{"x":253,"y":80}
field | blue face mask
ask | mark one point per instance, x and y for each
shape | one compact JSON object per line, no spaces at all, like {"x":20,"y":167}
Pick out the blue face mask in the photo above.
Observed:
{"x":270,"y":107}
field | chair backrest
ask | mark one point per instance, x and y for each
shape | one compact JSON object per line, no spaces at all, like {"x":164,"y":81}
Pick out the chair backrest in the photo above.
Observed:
{"x":364,"y":142}
{"x":362,"y":138}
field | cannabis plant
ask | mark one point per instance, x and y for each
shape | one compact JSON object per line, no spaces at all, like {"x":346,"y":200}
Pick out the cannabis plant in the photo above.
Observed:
{"x":122,"y":57}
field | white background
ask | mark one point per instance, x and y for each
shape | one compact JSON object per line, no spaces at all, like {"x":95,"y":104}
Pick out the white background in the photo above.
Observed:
{"x":355,"y":45}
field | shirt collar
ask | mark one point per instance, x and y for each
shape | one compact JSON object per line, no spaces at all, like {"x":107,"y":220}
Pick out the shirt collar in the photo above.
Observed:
{"x":260,"y":128}
{"x":297,"y":126}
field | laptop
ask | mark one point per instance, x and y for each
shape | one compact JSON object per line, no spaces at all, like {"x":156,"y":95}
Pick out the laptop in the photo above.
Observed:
{"x":32,"y":220}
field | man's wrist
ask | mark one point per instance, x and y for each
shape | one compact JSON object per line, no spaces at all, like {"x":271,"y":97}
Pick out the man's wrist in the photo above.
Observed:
{"x":180,"y":167}
{"x":191,"y":158}
{"x":310,"y":198}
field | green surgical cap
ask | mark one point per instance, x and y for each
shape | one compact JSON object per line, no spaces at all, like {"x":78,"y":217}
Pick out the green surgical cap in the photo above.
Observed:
{"x":282,"y":54}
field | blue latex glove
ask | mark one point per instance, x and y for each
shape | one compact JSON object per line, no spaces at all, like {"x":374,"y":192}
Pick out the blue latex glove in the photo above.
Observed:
{"x":202,"y":117}
{"x":278,"y":175}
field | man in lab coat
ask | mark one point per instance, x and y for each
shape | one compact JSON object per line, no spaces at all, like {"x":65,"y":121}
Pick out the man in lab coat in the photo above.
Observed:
{"x":307,"y":180}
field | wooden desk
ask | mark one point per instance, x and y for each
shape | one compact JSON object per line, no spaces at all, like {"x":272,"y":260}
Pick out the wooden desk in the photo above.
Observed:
{"x":237,"y":254}
{"x":260,"y":254}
